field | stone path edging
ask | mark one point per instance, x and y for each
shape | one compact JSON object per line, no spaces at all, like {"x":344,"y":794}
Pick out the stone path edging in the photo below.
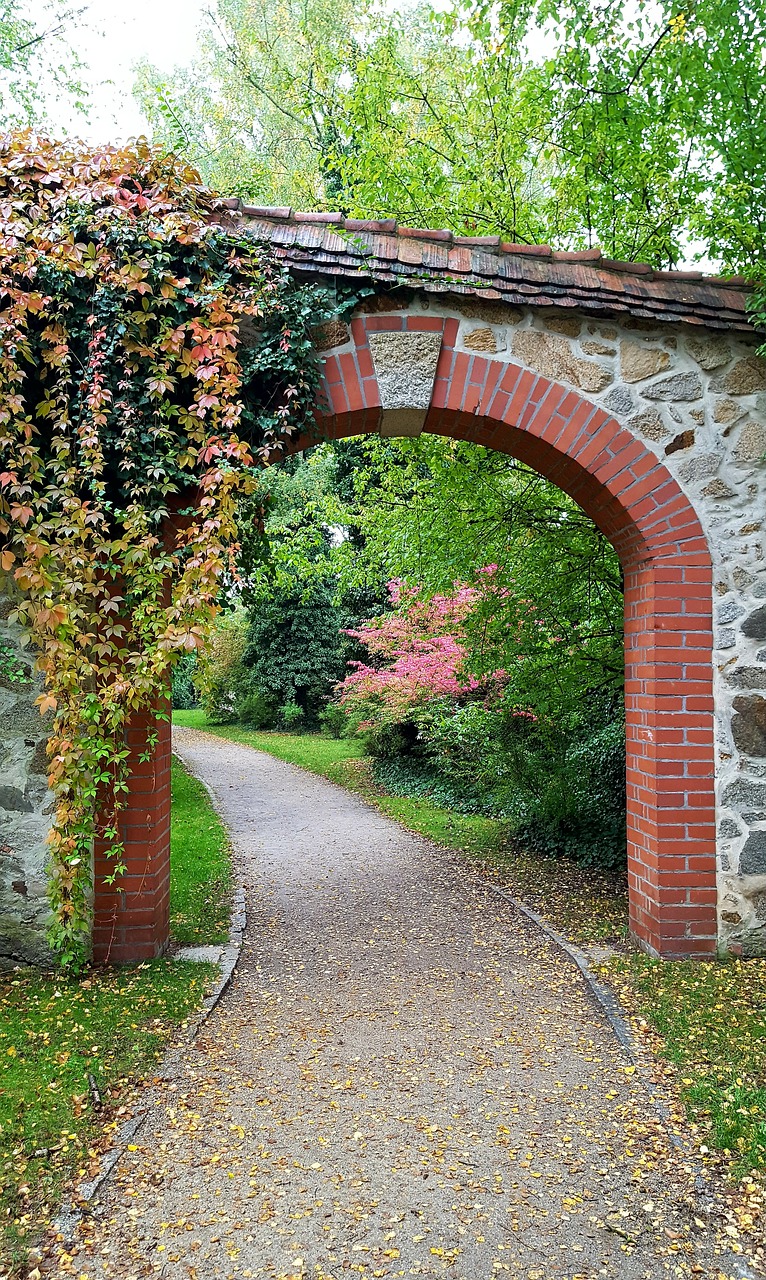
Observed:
{"x":610,"y":1007}
{"x":72,"y":1211}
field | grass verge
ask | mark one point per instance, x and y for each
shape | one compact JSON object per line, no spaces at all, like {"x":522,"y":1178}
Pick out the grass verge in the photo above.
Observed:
{"x":710,"y":1017}
{"x":73,"y":1050}
{"x":66,"y":1045}
{"x":707,"y":1020}
{"x":313,"y":751}
{"x":200,"y":865}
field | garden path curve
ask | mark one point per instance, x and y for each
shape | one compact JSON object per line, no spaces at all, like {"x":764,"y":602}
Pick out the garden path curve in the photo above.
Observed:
{"x":404,"y":1078}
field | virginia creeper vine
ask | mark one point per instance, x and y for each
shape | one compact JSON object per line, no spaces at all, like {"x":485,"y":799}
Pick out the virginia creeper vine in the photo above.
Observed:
{"x":151,"y":356}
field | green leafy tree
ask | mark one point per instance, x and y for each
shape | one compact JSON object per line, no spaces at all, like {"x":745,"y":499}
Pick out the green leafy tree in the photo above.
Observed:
{"x":633,"y":124}
{"x":38,"y":62}
{"x":294,"y":546}
{"x":259,"y":112}
{"x":434,"y":511}
{"x":295,"y":650}
{"x":548,"y":752}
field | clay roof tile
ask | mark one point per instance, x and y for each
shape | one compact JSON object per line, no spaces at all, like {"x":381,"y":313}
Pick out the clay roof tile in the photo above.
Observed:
{"x":419,"y":233}
{"x":329,"y":245}
{"x":577,"y":255}
{"x":281,"y":213}
{"x":318,"y":217}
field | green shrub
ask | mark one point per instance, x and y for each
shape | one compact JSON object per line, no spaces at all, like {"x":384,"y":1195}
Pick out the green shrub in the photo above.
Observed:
{"x":221,"y":674}
{"x":580,"y":813}
{"x":292,"y":717}
{"x":386,"y":741}
{"x":254,"y":709}
{"x":334,"y":721}
{"x":294,"y":648}
{"x":410,"y":776}
{"x":184,"y":694}
{"x":559,"y":785}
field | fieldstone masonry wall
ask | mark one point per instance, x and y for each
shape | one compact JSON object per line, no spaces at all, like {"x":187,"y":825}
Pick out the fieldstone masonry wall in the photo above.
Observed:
{"x":24,"y":802}
{"x":697,"y":399}
{"x":694,"y":398}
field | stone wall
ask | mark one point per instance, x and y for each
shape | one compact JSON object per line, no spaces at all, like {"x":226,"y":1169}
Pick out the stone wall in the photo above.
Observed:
{"x":697,"y":399}
{"x":24,"y":802}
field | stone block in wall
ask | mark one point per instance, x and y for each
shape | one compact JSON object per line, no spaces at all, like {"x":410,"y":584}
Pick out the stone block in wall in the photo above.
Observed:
{"x":638,"y":362}
{"x":678,"y":388}
{"x":754,"y":626}
{"x":25,"y":804}
{"x":709,"y":352}
{"x":748,"y":725}
{"x":752,"y":860}
{"x":746,"y":378}
{"x":751,"y":444}
{"x":554,"y":357}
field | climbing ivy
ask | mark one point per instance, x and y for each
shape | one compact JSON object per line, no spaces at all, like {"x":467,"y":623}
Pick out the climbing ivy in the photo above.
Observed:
{"x":11,"y":670}
{"x":151,"y":357}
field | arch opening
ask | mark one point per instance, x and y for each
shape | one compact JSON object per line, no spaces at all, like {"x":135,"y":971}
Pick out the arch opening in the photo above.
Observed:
{"x":635,"y":501}
{"x":402,"y":373}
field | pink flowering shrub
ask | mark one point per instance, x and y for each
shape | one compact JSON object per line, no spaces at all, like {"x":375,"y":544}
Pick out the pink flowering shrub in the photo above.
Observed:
{"x":418,"y":654}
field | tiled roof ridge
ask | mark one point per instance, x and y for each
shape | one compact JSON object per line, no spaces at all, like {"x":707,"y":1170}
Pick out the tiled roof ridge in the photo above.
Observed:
{"x":330,"y":246}
{"x":494,"y":244}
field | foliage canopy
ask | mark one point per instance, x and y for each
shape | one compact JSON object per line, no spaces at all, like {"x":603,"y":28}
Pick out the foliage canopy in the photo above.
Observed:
{"x":636,"y":124}
{"x":150,"y":359}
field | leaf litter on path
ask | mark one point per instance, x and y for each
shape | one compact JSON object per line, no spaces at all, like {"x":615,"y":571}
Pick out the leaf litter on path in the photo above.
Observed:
{"x":405,"y":1078}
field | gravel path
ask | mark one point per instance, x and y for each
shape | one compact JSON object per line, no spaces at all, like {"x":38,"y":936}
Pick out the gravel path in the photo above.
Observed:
{"x":404,"y":1078}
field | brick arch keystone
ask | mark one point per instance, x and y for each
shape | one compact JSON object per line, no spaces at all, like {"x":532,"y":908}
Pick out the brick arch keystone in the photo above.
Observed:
{"x":638,"y":505}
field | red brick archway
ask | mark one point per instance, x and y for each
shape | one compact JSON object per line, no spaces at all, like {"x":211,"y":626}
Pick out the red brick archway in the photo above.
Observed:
{"x":635,"y":501}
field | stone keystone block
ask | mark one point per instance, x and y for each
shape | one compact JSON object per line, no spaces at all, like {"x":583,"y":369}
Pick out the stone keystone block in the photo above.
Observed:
{"x":405,"y":366}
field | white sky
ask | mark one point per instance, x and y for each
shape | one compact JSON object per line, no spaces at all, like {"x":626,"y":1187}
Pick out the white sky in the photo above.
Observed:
{"x":111,"y":37}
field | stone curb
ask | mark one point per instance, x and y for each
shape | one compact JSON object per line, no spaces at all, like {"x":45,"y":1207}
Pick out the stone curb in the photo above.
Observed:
{"x":72,"y":1212}
{"x":612,"y":1011}
{"x":611,"y":1008}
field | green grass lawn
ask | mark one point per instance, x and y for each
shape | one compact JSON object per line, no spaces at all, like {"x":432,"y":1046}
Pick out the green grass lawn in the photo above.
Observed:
{"x":55,"y":1032}
{"x":708,"y":1020}
{"x":200,"y":865}
{"x":711,"y":1017}
{"x":111,"y":1025}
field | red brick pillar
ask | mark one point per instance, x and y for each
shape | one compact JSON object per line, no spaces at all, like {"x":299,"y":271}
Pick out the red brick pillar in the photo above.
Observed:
{"x":669,"y":714}
{"x":132,"y":917}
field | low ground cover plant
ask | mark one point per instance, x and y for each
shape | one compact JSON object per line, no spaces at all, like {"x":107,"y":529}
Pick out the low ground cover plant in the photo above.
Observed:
{"x":72,"y":1050}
